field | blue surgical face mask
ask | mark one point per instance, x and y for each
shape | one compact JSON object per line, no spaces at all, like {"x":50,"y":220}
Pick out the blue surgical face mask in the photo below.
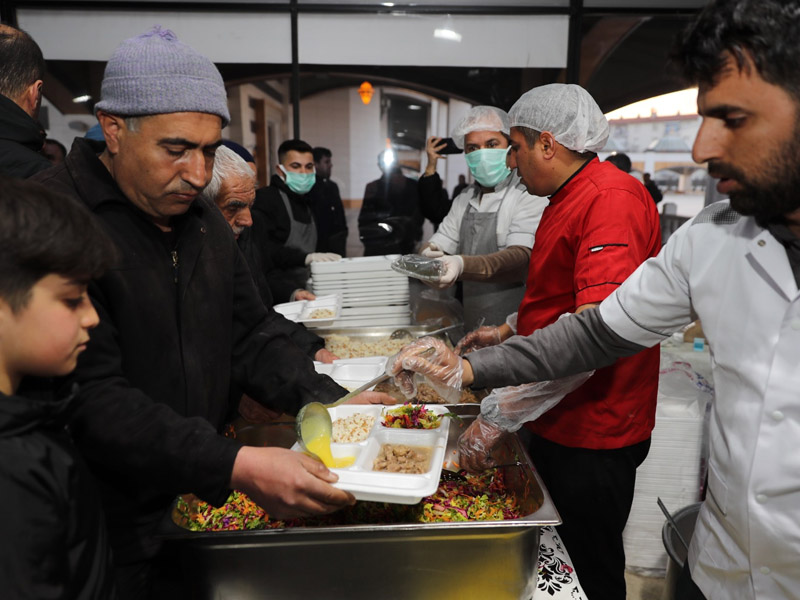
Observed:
{"x":488,"y":166}
{"x":299,"y":183}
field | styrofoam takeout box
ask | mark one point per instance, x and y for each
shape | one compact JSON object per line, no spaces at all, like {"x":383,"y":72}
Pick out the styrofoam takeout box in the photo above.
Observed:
{"x":352,"y":373}
{"x":381,"y":486}
{"x":301,"y":310}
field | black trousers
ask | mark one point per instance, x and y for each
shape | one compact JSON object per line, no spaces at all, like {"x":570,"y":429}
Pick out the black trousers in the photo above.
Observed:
{"x":593,"y":492}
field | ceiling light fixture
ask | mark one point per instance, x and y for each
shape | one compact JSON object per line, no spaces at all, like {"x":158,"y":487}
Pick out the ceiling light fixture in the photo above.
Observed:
{"x":447,"y":31}
{"x":79,"y":99}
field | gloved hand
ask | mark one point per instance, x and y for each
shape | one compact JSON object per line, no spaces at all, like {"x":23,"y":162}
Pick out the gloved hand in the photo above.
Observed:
{"x":443,"y":369}
{"x":476,"y":444}
{"x":453,"y":267}
{"x":322,"y":257}
{"x":432,"y":251}
{"x":483,"y":337}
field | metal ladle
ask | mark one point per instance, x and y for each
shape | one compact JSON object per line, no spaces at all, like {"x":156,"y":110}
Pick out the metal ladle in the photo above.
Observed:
{"x":405,"y":333}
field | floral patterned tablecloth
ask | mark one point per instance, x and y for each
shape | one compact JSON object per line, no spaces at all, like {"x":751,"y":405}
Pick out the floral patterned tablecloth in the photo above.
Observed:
{"x":556,"y":579}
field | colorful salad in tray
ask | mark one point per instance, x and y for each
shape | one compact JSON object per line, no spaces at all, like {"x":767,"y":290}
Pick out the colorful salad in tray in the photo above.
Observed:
{"x":412,"y":416}
{"x":482,"y":497}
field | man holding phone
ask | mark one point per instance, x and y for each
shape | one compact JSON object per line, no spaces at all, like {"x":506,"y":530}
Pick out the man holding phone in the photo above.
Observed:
{"x":486,"y":238}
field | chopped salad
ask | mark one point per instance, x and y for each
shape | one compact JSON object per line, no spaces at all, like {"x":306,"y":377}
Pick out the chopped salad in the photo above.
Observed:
{"x":483,"y":497}
{"x":411,"y":416}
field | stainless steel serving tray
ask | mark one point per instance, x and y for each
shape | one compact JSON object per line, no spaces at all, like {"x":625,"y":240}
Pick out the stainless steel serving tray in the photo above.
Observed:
{"x":378,"y":332}
{"x":478,"y":559}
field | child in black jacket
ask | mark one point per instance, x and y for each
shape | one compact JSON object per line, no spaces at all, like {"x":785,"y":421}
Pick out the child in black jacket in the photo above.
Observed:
{"x":52,"y":533}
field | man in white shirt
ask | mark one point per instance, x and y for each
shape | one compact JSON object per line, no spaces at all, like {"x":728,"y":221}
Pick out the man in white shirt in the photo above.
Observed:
{"x":486,"y":238}
{"x":736,"y":265}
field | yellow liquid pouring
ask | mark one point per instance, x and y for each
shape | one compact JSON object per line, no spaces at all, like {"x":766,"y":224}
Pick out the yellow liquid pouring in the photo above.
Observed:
{"x":321,"y":446}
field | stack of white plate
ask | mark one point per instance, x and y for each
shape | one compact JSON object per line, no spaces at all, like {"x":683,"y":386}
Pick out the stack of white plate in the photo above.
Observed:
{"x":371,"y":292}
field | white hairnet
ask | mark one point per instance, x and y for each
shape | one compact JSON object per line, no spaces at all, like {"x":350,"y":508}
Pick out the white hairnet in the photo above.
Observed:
{"x":480,"y":118}
{"x":565,"y":110}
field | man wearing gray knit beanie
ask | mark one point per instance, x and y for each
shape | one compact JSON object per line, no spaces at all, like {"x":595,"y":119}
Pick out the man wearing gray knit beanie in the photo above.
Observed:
{"x":180,"y":318}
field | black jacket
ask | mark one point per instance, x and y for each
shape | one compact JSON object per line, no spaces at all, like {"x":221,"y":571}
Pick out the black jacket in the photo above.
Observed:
{"x":392,"y":200}
{"x":433,"y":200}
{"x":272,"y":224}
{"x":276,"y":284}
{"x":326,"y":202}
{"x":21,"y":139}
{"x":306,"y":340}
{"x":180,"y":319}
{"x":53,"y":541}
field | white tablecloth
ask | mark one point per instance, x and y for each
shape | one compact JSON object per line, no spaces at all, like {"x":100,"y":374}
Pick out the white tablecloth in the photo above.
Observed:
{"x":556,"y":578}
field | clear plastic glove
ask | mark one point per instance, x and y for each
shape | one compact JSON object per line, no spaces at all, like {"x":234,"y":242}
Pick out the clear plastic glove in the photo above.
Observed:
{"x":322,"y":257}
{"x":443,"y":368}
{"x":508,"y":408}
{"x":453,"y":267}
{"x":432,"y":251}
{"x":419,"y":267}
{"x":511,"y":321}
{"x":483,"y":337}
{"x":476,"y":444}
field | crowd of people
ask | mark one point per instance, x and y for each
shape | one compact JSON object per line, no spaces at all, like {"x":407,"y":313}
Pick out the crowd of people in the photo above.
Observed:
{"x":138,"y":274}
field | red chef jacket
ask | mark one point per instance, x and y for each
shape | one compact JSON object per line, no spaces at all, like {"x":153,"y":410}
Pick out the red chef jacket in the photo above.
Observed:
{"x":599,"y":227}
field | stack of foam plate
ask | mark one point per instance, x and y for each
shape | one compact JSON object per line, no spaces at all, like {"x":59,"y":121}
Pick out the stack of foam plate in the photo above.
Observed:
{"x":372,"y":294}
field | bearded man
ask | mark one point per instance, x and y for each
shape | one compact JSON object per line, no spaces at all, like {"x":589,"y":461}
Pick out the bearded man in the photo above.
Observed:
{"x":736,"y":265}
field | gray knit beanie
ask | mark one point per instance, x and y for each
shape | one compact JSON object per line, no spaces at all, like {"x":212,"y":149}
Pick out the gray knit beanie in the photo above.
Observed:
{"x":154,"y":73}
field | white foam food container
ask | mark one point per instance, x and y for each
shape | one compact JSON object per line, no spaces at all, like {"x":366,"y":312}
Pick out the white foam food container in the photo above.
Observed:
{"x":361,"y":276}
{"x":381,"y":486}
{"x":303,"y":311}
{"x":358,"y":264}
{"x":352,"y":373}
{"x":392,"y":284}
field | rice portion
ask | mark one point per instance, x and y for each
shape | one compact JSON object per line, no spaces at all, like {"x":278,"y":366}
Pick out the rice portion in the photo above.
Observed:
{"x":354,"y":428}
{"x":346,"y":347}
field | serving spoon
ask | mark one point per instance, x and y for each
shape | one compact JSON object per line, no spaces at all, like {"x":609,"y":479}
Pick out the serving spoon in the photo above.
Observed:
{"x":405,"y":333}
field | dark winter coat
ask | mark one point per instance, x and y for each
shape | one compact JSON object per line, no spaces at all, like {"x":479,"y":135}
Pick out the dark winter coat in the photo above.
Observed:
{"x":326,"y":202}
{"x":180,"y":319}
{"x":306,"y":340}
{"x":53,"y":541}
{"x":21,"y":140}
{"x":272,"y":224}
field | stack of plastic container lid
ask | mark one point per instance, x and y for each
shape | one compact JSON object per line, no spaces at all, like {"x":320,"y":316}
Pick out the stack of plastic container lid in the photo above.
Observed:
{"x":372,"y":294}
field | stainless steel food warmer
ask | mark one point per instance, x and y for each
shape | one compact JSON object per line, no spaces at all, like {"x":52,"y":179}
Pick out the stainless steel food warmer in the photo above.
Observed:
{"x":436,"y":561}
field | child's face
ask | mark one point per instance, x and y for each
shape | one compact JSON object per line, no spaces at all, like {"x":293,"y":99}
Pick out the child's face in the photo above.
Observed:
{"x":46,"y":336}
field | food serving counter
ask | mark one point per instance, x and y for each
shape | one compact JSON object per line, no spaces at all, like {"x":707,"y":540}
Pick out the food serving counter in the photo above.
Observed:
{"x":476,"y":559}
